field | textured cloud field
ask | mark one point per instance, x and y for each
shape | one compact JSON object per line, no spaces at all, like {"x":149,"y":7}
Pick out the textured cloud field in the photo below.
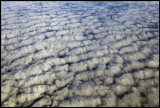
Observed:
{"x":80,"y":54}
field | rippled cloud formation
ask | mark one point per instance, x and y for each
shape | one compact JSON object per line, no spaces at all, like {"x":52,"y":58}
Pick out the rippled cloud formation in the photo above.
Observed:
{"x":79,"y":54}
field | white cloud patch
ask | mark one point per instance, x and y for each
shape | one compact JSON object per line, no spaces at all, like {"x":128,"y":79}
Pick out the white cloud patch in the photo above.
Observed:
{"x":79,"y":54}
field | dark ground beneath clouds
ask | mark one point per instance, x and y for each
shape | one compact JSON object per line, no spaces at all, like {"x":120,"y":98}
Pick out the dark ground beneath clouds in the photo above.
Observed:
{"x":80,"y":54}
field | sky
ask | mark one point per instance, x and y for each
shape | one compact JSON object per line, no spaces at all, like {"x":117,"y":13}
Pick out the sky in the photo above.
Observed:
{"x":79,"y":53}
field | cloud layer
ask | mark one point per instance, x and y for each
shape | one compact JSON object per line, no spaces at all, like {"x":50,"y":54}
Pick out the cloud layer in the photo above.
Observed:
{"x":80,"y":54}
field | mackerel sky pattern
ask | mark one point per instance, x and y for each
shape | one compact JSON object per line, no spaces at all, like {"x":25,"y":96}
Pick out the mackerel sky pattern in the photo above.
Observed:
{"x":82,"y":53}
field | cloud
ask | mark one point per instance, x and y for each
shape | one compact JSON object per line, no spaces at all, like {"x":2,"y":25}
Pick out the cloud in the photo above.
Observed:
{"x":88,"y":54}
{"x":125,"y":79}
{"x":82,"y":102}
{"x":132,"y":99}
{"x":153,"y":63}
{"x":144,"y":74}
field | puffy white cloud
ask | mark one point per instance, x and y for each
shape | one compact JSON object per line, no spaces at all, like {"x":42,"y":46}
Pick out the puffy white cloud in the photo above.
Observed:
{"x":63,"y":82}
{"x":144,"y":74}
{"x":63,"y":32}
{"x":134,"y":66}
{"x":128,"y":49}
{"x":125,"y":79}
{"x":78,"y":67}
{"x":109,"y":100}
{"x":153,"y":63}
{"x":83,"y":76}
{"x":109,"y":80}
{"x":84,"y":54}
{"x":119,"y":89}
{"x":132,"y":99}
{"x":39,"y":89}
{"x":79,"y":38}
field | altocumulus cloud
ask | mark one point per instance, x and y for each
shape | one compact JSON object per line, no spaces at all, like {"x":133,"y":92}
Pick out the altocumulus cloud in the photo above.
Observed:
{"x":80,"y":54}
